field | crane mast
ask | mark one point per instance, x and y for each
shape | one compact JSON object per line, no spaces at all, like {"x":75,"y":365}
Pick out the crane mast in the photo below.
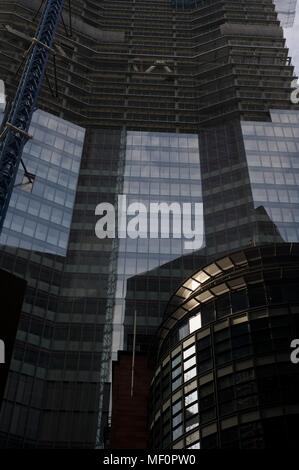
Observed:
{"x":16,"y":127}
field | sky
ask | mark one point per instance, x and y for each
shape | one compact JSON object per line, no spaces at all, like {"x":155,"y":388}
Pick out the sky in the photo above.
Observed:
{"x":292,"y":37}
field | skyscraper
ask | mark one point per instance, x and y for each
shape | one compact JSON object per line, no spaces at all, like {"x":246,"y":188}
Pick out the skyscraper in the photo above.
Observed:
{"x":162,"y":91}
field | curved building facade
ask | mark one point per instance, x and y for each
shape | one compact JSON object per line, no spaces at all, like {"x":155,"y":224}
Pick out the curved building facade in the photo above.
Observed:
{"x":224,"y":376}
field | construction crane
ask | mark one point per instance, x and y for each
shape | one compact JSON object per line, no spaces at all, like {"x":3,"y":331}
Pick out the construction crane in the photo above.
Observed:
{"x":16,"y":127}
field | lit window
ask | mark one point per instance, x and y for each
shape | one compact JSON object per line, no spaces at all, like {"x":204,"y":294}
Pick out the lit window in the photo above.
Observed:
{"x":195,"y":322}
{"x":194,"y":446}
{"x":192,"y":410}
{"x":191,"y":397}
{"x":190,"y":374}
{"x":189,"y":352}
{"x":191,"y":362}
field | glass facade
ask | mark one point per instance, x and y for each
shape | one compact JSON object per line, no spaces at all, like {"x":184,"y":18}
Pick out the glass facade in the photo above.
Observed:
{"x":163,"y":168}
{"x":58,"y":351}
{"x":286,"y":12}
{"x":286,"y":8}
{"x":40,"y":211}
{"x":228,"y":206}
{"x":272,"y":151}
{"x":159,"y":168}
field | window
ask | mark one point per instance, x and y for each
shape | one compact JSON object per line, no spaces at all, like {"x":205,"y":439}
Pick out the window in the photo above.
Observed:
{"x":188,"y":352}
{"x":41,"y":232}
{"x":257,"y":296}
{"x":194,"y":446}
{"x":176,"y":383}
{"x":176,"y":372}
{"x":176,"y":407}
{"x":223,"y":305}
{"x":17,"y":223}
{"x":195,"y":322}
{"x":183,"y":331}
{"x":190,"y":374}
{"x":29,"y":228}
{"x":191,"y":423}
{"x":208,"y":313}
{"x":189,"y":363}
{"x":177,"y":419}
{"x":191,"y":410}
{"x":239,"y":300}
{"x":191,"y":397}
{"x":177,"y":432}
{"x":176,"y":360}
{"x":27,"y":182}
